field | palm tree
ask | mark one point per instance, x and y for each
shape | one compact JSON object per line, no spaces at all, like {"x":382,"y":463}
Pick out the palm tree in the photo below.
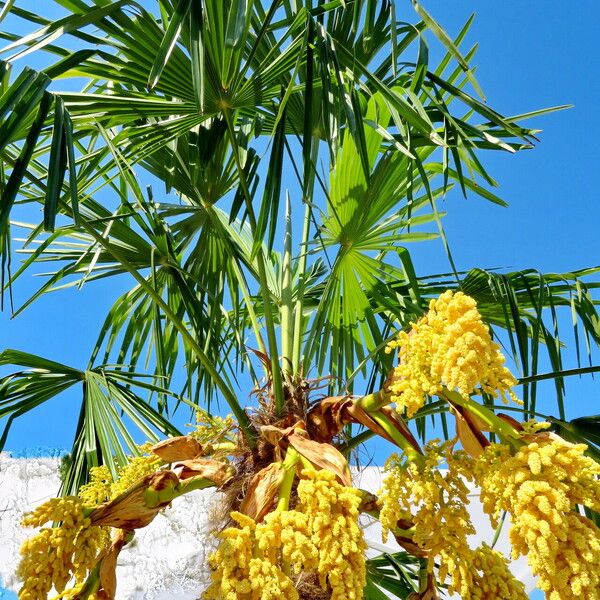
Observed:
{"x":302,"y":146}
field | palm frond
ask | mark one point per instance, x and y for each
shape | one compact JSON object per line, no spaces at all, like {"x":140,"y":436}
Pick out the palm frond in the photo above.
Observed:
{"x":111,"y":412}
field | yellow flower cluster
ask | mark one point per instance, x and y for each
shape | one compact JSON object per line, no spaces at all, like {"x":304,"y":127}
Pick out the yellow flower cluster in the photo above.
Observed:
{"x":102,"y":487}
{"x":212,"y":428}
{"x":133,"y":471}
{"x":450,"y":346}
{"x":533,"y":426}
{"x":257,"y":561}
{"x":434,"y":502}
{"x":333,"y":511}
{"x":492,"y":577}
{"x":395,"y":496}
{"x":56,"y":554}
{"x":98,"y":490}
{"x":242,"y":570}
{"x":289,"y":533}
{"x":75,"y":592}
{"x":541,"y":486}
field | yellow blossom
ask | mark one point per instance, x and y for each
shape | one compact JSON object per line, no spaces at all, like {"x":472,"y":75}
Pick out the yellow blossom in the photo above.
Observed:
{"x":395,"y":495}
{"x":133,"y":471}
{"x":102,"y":487}
{"x":244,"y":570}
{"x":533,"y":426}
{"x":449,"y":347}
{"x":212,"y":429}
{"x":98,"y":489}
{"x":75,"y":591}
{"x":87,"y":545}
{"x":322,"y":536}
{"x":287,"y":534}
{"x":541,"y":487}
{"x":52,"y":557}
{"x":333,"y":519}
{"x":57,"y":555}
{"x":434,"y":502}
{"x":492,"y":577}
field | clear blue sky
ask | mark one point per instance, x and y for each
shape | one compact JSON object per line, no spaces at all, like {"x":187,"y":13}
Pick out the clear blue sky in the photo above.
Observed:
{"x":531,"y":55}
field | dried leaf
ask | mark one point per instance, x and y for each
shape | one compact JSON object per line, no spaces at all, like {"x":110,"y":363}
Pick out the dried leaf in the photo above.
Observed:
{"x":264,"y":359}
{"x":108,"y":566}
{"x":361,"y":416}
{"x":108,"y":573}
{"x":275,"y":435}
{"x":478,"y":422}
{"x":326,"y":418}
{"x":132,"y":509}
{"x":471,"y":438}
{"x":324,"y":456}
{"x":272,"y":434}
{"x":206,"y":468}
{"x":368,"y":503}
{"x":511,"y":421}
{"x":182,"y":447}
{"x":410,"y":546}
{"x":262,"y":491}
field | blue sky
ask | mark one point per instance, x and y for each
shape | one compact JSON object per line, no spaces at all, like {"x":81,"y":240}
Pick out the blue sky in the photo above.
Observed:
{"x":531,"y":55}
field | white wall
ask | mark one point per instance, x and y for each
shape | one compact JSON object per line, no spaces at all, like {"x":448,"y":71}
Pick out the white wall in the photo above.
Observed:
{"x":168,"y":558}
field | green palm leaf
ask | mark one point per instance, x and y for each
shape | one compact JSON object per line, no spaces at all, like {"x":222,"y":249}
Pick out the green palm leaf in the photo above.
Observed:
{"x":101,"y":436}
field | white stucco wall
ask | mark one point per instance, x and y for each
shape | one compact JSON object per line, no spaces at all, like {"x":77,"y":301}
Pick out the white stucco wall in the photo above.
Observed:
{"x":168,"y":558}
